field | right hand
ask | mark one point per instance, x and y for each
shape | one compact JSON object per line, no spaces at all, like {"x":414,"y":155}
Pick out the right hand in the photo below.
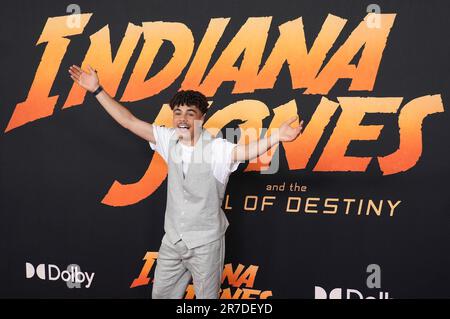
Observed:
{"x":88,"y":81}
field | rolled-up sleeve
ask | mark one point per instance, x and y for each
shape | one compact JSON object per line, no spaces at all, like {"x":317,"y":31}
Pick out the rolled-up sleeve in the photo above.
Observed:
{"x":162,"y":137}
{"x":222,"y":162}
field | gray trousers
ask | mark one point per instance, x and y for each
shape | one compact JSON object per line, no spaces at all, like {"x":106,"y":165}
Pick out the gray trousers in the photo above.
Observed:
{"x":177,"y":265}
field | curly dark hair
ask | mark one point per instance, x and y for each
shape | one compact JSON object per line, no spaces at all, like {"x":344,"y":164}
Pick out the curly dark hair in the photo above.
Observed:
{"x":190,"y":97}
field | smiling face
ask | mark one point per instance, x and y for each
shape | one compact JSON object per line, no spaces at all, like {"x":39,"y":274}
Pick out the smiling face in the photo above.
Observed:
{"x":187,"y":120}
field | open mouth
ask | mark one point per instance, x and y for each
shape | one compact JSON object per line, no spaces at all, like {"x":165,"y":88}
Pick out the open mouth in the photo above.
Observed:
{"x":183,"y":127}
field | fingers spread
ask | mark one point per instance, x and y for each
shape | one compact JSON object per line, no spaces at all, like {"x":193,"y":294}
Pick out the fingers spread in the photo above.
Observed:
{"x":74,"y":71}
{"x":73,"y":74}
{"x":78,"y":68}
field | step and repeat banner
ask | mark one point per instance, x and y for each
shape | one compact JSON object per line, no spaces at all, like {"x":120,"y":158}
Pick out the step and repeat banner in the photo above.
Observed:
{"x":356,"y":207}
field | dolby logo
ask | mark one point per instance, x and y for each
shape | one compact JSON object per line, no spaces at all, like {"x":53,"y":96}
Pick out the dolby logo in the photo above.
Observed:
{"x":373,"y":283}
{"x":337,"y":293}
{"x":73,"y":276}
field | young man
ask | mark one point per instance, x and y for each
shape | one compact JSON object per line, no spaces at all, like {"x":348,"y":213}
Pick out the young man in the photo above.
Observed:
{"x":199,"y":165}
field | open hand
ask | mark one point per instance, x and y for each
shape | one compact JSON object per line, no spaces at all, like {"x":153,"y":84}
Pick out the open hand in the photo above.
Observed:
{"x":288,"y":133}
{"x":88,"y":81}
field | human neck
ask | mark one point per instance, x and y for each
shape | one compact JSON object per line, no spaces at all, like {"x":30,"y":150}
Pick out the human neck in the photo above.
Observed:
{"x":190,"y":142}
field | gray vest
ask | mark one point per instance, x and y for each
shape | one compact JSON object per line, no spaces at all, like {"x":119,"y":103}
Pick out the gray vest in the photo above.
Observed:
{"x":193,"y":211}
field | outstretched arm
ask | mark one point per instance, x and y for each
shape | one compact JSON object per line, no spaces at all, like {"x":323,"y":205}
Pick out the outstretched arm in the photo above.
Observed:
{"x":285,"y":133}
{"x":90,"y":82}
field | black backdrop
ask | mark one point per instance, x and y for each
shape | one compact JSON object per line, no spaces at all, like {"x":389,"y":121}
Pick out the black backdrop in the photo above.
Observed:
{"x":55,"y":171}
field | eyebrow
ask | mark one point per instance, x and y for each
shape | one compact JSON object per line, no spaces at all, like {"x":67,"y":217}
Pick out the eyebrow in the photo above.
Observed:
{"x":189,"y":109}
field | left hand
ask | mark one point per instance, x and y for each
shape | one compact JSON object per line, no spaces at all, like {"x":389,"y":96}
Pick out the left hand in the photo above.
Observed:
{"x":288,"y":133}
